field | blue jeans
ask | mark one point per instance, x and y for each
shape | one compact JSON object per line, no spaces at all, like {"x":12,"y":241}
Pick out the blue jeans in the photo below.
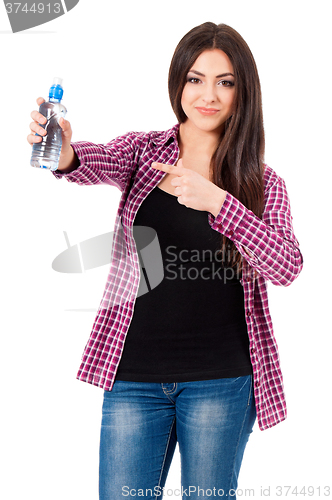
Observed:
{"x":142,"y":422}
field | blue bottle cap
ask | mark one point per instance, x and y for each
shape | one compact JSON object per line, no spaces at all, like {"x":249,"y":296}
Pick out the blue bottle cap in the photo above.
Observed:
{"x":56,"y":91}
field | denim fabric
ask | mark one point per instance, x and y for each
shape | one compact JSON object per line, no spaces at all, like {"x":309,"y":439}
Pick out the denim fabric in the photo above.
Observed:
{"x":142,"y":422}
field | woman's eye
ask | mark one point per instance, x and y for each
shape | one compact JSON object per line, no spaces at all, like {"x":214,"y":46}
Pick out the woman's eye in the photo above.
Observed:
{"x":193,"y":80}
{"x":226,"y":83}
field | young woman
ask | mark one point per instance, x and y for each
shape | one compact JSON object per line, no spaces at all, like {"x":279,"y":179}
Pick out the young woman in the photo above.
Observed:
{"x":189,"y":358}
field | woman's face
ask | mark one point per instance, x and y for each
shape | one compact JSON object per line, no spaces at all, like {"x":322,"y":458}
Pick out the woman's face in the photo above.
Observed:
{"x":208,"y":95}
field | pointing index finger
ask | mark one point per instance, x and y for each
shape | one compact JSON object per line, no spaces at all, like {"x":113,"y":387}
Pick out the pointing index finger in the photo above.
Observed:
{"x":170,"y":169}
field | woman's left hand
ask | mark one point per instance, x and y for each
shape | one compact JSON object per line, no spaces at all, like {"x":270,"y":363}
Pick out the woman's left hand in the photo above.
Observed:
{"x":193,"y":190}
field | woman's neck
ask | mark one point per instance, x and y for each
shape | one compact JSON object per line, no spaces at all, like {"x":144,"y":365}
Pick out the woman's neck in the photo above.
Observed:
{"x":194,"y":141}
{"x":197,"y":148}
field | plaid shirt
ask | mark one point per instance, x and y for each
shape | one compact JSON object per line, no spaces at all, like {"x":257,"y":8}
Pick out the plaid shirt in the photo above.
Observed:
{"x":268,"y":245}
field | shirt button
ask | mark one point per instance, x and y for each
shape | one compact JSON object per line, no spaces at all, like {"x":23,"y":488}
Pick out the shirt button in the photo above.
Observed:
{"x":253,"y":350}
{"x":248,"y":314}
{"x":231,"y":233}
{"x":257,"y":384}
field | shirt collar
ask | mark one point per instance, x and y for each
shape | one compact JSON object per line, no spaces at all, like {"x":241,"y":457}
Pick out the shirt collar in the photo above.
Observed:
{"x":161,"y":138}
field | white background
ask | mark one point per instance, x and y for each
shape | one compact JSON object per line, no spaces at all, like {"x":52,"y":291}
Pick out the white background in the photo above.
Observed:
{"x":114,"y":59}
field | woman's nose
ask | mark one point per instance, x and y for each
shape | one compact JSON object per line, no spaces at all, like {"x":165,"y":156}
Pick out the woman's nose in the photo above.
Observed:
{"x":209,"y":94}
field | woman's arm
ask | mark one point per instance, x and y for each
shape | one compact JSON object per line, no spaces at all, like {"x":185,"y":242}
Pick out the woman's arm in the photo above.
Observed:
{"x":111,"y":163}
{"x":269,"y":244}
{"x":88,"y":163}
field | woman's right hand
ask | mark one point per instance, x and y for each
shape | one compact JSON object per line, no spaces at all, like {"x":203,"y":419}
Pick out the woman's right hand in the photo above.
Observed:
{"x":68,"y":159}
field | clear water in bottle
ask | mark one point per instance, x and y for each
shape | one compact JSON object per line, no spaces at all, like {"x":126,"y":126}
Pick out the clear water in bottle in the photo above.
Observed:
{"x":45,"y":154}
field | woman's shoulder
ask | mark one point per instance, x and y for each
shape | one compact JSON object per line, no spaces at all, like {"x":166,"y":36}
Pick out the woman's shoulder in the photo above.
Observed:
{"x":270,"y":177}
{"x":164,"y":136}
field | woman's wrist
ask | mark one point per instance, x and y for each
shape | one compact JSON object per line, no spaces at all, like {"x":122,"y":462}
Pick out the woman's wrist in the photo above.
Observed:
{"x":217,"y":201}
{"x":68,"y":162}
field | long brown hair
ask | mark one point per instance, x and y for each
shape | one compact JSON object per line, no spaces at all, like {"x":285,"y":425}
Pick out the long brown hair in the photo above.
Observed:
{"x":238,"y":162}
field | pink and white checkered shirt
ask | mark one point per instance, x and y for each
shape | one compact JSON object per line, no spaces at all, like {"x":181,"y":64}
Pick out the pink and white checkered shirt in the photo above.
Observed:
{"x":268,"y":245}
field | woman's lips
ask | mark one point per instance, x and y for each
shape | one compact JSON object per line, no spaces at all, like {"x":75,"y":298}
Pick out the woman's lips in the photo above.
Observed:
{"x":207,"y":111}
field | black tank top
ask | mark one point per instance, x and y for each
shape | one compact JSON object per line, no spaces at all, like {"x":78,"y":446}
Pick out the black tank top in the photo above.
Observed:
{"x":190,"y":326}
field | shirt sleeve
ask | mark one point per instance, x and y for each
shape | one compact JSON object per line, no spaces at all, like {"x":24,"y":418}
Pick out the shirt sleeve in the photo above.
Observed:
{"x":269,"y":244}
{"x":111,"y":164}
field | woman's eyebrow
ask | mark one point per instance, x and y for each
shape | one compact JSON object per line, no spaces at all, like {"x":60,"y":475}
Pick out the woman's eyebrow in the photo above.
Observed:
{"x":218,"y":76}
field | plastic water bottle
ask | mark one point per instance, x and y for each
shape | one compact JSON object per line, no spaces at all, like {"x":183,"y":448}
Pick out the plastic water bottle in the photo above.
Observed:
{"x":45,"y":154}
